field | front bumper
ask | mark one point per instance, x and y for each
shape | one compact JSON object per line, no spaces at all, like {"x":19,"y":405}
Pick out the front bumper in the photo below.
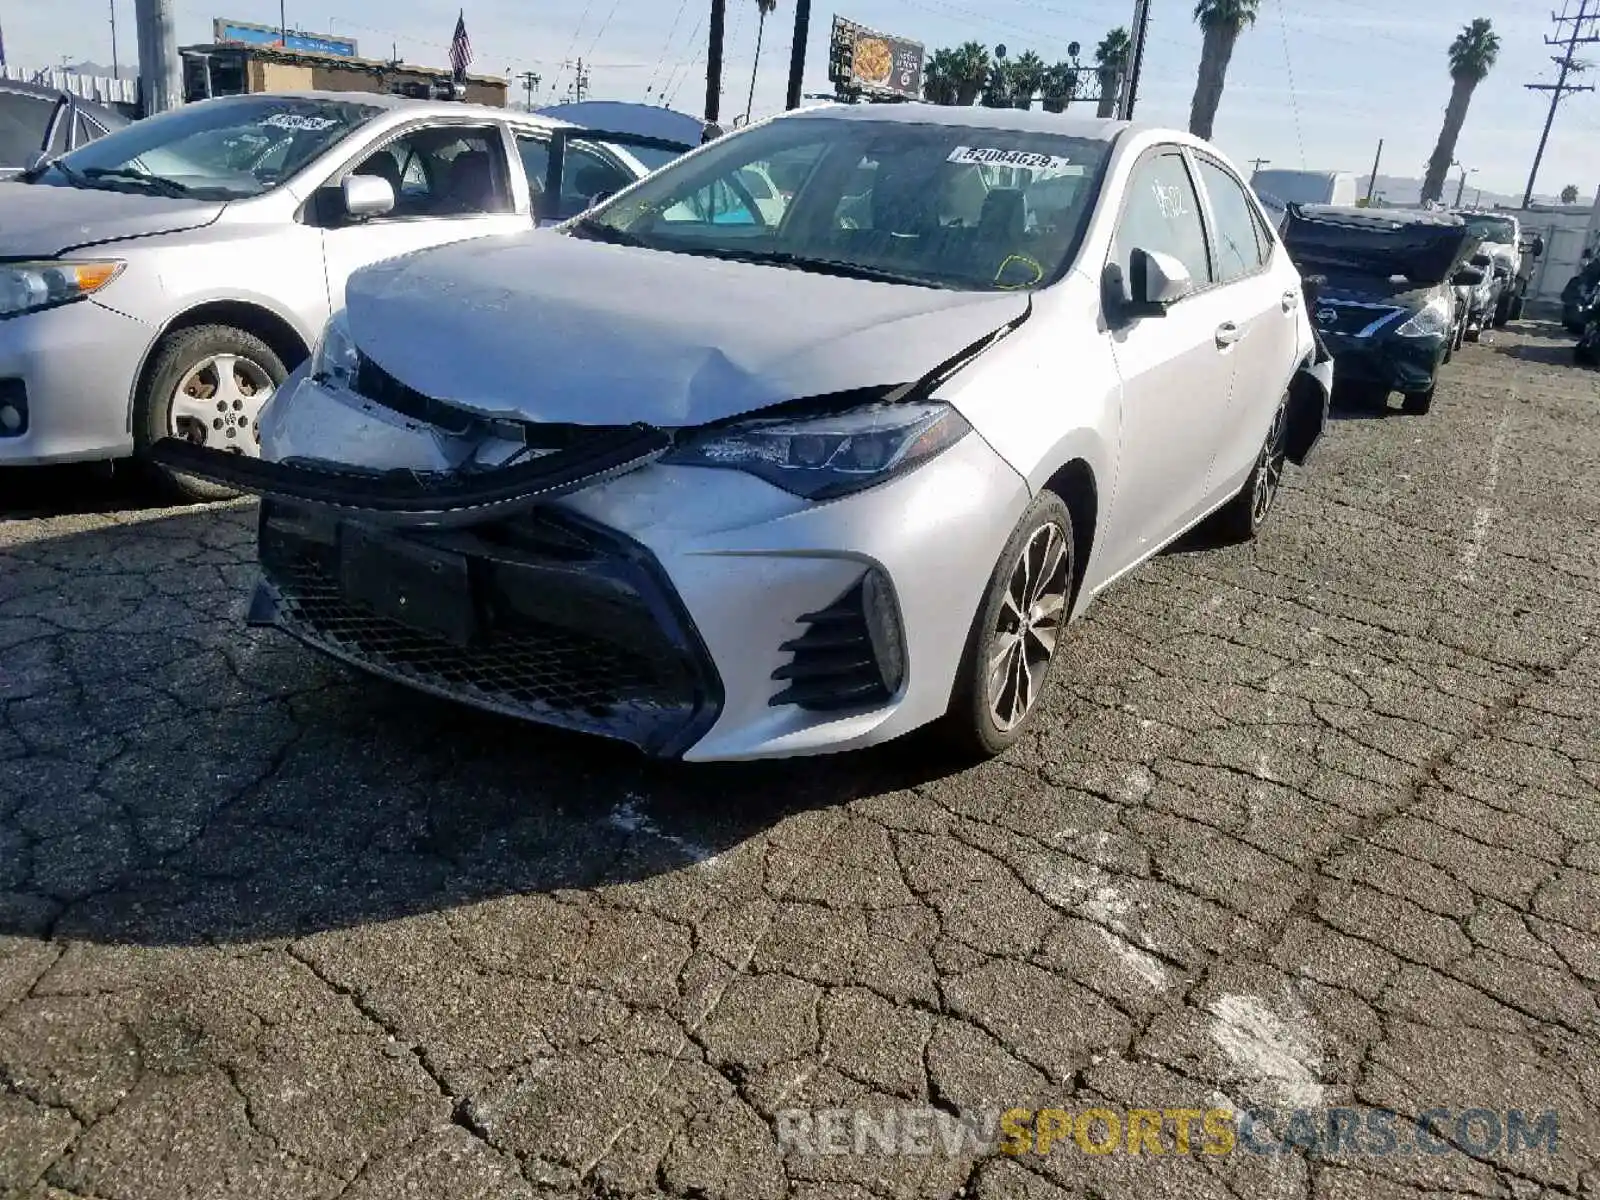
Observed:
{"x":694,"y":612}
{"x":73,"y":368}
{"x":1403,"y":364}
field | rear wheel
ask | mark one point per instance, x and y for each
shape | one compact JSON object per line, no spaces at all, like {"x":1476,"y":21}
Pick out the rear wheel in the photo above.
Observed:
{"x":1011,"y":648}
{"x":1502,"y":310}
{"x":1242,"y":517}
{"x":206,"y":385}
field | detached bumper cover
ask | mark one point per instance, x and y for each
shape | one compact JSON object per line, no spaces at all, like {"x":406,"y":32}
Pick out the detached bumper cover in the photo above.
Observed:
{"x":1404,"y":364}
{"x":546,"y":617}
{"x":428,"y":499}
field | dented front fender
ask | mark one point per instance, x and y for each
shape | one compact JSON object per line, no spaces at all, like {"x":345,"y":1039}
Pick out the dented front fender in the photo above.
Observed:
{"x":1310,"y":396}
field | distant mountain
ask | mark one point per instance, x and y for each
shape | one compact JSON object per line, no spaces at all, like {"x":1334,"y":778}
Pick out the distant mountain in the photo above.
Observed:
{"x":101,"y":71}
{"x":1402,"y":190}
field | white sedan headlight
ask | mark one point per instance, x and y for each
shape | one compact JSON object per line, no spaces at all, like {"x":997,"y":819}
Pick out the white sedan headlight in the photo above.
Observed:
{"x":827,"y":456}
{"x":28,"y":286}
{"x":335,"y":359}
{"x":1433,"y":320}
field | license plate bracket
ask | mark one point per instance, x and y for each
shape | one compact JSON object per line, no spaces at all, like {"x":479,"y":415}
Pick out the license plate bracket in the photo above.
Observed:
{"x":416,"y":585}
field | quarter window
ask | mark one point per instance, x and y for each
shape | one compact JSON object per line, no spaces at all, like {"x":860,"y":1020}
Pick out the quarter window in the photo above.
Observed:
{"x":1236,"y":232}
{"x":1163,"y":216}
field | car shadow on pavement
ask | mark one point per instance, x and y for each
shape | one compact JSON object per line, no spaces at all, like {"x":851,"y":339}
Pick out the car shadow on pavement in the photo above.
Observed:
{"x":1549,"y":352}
{"x":73,"y":489}
{"x":170,"y":777}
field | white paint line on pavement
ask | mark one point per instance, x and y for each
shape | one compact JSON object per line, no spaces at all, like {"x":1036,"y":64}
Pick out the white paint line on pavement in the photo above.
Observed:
{"x":1484,"y":514}
{"x":627,"y":817}
{"x":1146,"y":966}
{"x":1278,"y":1056}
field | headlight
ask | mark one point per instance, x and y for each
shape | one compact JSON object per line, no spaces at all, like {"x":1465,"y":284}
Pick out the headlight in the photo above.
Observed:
{"x":823,"y":457}
{"x":1432,"y":321}
{"x":335,"y":359}
{"x":26,"y":286}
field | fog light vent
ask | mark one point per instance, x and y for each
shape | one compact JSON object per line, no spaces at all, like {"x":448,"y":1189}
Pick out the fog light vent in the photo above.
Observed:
{"x":852,"y":653}
{"x":13,"y":408}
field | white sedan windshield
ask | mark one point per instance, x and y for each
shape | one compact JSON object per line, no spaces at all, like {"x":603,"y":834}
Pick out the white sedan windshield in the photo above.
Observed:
{"x":220,"y":148}
{"x":929,"y":204}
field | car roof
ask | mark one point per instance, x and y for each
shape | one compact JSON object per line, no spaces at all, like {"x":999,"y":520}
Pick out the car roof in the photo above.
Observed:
{"x":404,"y":104}
{"x":108,"y":117}
{"x":1017,"y":120}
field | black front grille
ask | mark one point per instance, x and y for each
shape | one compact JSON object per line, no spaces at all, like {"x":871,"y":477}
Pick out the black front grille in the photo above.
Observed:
{"x":576,"y":631}
{"x":373,"y":382}
{"x":833,"y":666}
{"x":1349,"y":319}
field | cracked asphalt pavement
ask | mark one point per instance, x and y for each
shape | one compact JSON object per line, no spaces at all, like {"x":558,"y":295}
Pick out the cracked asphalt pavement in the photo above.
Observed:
{"x":1311,"y":822}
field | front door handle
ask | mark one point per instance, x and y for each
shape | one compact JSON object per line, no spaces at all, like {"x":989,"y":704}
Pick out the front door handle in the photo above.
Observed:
{"x":1227,"y":334}
{"x":1290,"y":299}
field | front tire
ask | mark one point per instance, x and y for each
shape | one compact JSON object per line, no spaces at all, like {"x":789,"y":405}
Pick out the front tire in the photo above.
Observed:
{"x":1417,"y":403}
{"x":1011,"y":648}
{"x":207,"y":385}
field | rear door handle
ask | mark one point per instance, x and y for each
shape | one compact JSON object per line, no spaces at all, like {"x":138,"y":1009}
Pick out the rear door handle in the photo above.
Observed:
{"x":1227,"y":334}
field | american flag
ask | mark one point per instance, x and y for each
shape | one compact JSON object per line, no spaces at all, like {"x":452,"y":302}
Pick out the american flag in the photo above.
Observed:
{"x":460,"y":47}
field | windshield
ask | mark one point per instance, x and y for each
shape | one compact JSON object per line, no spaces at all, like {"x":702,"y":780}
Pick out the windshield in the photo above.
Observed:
{"x":216,"y":149}
{"x":1492,"y":229}
{"x":933,"y":205}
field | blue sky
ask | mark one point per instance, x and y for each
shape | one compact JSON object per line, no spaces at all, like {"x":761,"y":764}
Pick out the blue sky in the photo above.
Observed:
{"x":1361,"y":69}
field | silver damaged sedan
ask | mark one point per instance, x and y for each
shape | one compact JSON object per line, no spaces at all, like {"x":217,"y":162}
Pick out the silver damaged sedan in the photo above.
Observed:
{"x":732,"y":475}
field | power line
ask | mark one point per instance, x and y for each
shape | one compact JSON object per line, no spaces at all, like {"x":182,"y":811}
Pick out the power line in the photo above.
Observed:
{"x":661,"y":60}
{"x":1560,"y":87}
{"x":1294,"y":100}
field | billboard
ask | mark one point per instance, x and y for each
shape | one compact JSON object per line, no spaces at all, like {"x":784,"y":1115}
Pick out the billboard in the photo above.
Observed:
{"x":865,"y":60}
{"x":245,"y":33}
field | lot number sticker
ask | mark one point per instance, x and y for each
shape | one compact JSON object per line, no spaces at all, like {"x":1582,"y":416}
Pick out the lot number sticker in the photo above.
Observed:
{"x":296,"y":121}
{"x":979,"y":156}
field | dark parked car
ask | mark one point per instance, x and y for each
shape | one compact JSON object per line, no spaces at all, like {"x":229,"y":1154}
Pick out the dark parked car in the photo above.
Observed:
{"x":1388,"y":309}
{"x":1578,"y":295}
{"x":36,"y":119}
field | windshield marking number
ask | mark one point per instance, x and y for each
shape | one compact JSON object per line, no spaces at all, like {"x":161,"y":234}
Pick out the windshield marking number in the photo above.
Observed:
{"x":298,"y":121}
{"x":978,"y":156}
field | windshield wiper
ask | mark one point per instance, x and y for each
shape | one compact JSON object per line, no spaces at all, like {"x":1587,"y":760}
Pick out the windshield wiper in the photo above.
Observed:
{"x":601,"y":232}
{"x":156,"y":183}
{"x":818,"y":266}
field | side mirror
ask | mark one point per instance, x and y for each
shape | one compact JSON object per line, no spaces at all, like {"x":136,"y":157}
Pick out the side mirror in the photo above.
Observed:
{"x":1467,"y":277}
{"x":1537,"y":249}
{"x":1157,"y":281}
{"x":367,"y":196}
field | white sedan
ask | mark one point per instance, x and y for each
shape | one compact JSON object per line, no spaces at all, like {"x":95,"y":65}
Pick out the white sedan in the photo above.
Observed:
{"x":728,"y":482}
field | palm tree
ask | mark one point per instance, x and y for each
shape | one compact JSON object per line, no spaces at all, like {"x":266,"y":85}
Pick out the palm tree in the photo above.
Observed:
{"x":766,"y":7}
{"x":1569,"y":194}
{"x":973,"y":72}
{"x":1111,"y":60}
{"x":997,"y":89}
{"x":1024,"y":78}
{"x":1472,"y":54}
{"x":941,"y":77}
{"x":1060,"y":86}
{"x":1221,"y":22}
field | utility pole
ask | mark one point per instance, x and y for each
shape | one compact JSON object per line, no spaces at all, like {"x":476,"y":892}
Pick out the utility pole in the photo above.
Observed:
{"x":283,"y":24}
{"x":116,"y":67}
{"x":530,"y":81}
{"x":160,"y":82}
{"x":579,"y":87}
{"x":1130,"y":83}
{"x":1560,"y":87}
{"x":1461,"y":184}
{"x":1372,"y":180}
{"x":797,"y":55}
{"x":1256,"y":164}
{"x":719,"y":19}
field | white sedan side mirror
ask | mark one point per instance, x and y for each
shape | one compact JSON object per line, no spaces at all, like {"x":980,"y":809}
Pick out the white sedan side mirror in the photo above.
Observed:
{"x":367,"y":196}
{"x":1158,"y":279}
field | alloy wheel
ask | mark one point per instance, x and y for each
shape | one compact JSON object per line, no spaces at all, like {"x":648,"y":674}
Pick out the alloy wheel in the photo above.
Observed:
{"x":1269,"y":467}
{"x":1031,"y":618}
{"x":218,"y":404}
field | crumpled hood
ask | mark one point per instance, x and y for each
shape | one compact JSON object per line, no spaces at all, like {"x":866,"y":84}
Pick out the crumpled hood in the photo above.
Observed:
{"x":40,"y":220}
{"x":547,"y":327}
